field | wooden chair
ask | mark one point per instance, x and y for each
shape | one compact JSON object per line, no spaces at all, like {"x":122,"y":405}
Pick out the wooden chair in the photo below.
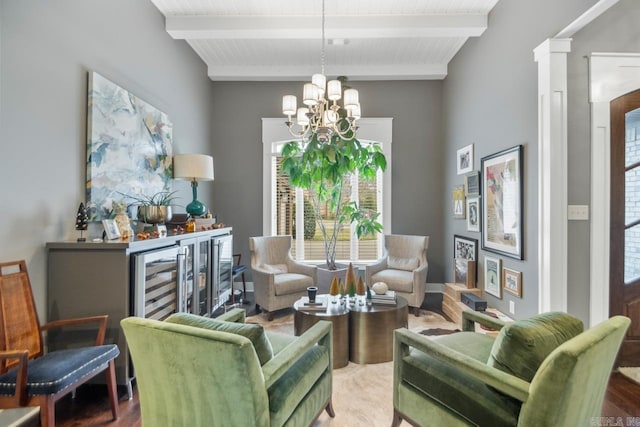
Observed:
{"x":28,"y":376}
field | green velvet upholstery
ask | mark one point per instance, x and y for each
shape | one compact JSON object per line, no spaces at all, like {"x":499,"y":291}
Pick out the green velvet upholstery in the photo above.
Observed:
{"x":194,"y":376}
{"x":254,"y":332}
{"x":523,"y":345}
{"x":447,"y":381}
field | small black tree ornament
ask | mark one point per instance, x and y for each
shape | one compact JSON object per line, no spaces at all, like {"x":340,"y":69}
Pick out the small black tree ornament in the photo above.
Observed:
{"x":81,"y":221}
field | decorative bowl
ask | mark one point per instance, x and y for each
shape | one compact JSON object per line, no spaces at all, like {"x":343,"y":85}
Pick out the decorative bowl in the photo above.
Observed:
{"x":154,"y":214}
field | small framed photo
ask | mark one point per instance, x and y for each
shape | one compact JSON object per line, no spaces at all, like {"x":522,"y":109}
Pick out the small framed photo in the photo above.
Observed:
{"x":512,"y":281}
{"x":466,"y":248}
{"x":473,"y":213}
{"x":492,"y":276}
{"x":111,"y":229}
{"x":458,"y":202}
{"x":472,"y":183}
{"x":464,"y":159}
{"x":464,"y":272}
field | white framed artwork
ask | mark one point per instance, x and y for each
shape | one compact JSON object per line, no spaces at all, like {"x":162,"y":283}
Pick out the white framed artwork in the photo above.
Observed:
{"x":464,"y":159}
{"x":492,"y":276}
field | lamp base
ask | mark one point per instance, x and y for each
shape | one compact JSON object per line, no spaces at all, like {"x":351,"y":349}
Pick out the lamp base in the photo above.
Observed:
{"x":196,"y":208}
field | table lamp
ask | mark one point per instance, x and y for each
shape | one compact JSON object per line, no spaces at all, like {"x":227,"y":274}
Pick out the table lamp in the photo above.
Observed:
{"x":194,"y":168}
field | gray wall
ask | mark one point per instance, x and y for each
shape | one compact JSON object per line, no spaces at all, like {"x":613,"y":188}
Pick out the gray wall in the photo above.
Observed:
{"x":490,"y":100}
{"x":615,"y":31}
{"x":46,"y":49}
{"x":417,"y":151}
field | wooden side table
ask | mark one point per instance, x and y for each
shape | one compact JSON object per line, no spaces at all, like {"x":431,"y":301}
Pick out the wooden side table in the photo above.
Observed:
{"x":336,"y":314}
{"x":371,"y":330}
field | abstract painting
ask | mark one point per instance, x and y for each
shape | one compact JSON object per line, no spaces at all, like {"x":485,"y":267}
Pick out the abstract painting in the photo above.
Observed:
{"x":129,"y":147}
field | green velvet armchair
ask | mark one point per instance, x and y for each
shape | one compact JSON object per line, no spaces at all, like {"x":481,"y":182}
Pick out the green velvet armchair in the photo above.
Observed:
{"x":195,"y":371}
{"x":540,"y":371}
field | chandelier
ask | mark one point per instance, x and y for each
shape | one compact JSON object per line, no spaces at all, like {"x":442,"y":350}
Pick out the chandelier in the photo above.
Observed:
{"x":322,"y":116}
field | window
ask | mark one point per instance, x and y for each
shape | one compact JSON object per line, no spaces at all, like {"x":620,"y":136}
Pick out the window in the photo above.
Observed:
{"x":286,"y":208}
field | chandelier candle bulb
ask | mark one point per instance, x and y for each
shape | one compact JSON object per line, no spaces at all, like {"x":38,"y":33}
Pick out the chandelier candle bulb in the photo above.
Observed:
{"x":334,"y":90}
{"x":354,"y":111}
{"x":289,"y":105}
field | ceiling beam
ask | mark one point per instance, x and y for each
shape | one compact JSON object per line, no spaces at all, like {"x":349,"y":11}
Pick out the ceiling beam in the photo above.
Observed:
{"x":336,"y":27}
{"x":303,"y":73}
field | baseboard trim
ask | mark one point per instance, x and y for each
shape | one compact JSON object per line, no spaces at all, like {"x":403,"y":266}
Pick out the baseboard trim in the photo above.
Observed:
{"x":431,"y":287}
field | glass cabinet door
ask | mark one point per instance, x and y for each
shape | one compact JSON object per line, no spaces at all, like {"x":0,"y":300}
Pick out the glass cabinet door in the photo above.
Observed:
{"x":204,"y":277}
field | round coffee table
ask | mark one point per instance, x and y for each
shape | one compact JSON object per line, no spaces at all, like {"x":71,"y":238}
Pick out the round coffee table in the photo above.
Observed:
{"x":371,"y":330}
{"x":336,"y":314}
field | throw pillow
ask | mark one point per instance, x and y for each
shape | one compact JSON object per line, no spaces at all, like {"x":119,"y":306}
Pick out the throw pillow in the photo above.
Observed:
{"x":407,"y":264}
{"x":521,"y":346}
{"x":254,"y":332}
{"x":274,"y":268}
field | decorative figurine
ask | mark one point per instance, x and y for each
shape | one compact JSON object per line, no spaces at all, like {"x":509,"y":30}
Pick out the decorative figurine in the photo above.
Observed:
{"x":81,"y":221}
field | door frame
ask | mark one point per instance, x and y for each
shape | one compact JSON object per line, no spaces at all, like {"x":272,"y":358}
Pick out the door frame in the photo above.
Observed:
{"x":611,"y":75}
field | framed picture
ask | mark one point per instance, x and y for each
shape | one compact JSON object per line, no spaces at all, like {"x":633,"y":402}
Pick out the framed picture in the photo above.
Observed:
{"x":492,"y":277}
{"x":458,"y":202}
{"x":512,"y":281}
{"x":472,"y":183}
{"x":502,"y":202}
{"x":111,"y":229}
{"x":464,"y":159}
{"x":466,"y":248}
{"x":473,"y":213}
{"x":464,"y":272}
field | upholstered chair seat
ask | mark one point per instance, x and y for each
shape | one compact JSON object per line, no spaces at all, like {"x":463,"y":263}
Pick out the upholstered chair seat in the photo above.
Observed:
{"x":200,"y":372}
{"x":540,"y":371}
{"x":278,"y":279}
{"x":403,"y":267}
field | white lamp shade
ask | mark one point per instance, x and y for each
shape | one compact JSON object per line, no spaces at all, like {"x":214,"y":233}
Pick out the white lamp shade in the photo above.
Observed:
{"x":355,"y":111}
{"x":334,"y":90}
{"x":289,"y":105}
{"x":309,"y":94}
{"x":350,"y":98}
{"x":193,"y":167}
{"x":302,"y":118}
{"x":321,"y":83}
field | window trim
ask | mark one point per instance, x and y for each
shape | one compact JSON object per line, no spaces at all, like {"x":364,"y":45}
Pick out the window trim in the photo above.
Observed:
{"x":370,"y":129}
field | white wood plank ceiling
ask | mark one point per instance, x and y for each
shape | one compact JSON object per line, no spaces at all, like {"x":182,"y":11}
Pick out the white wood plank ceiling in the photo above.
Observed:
{"x":266,"y":40}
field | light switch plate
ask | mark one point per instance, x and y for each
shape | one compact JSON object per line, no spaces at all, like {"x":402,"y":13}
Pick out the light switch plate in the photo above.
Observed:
{"x":512,"y":307}
{"x":578,"y":213}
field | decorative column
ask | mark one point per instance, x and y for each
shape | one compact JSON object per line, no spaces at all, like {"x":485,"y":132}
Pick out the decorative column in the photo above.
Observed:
{"x":551,"y":57}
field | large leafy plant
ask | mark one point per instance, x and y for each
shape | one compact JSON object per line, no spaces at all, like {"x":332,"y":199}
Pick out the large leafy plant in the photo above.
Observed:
{"x":323,"y":170}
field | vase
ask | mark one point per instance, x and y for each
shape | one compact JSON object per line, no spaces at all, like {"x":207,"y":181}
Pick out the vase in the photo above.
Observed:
{"x":325,"y":276}
{"x":124,"y":225}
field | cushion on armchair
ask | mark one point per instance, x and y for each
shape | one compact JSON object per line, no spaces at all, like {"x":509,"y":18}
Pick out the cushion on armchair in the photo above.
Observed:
{"x":274,"y":268}
{"x":407,"y":264}
{"x":254,"y":332}
{"x":521,"y":346}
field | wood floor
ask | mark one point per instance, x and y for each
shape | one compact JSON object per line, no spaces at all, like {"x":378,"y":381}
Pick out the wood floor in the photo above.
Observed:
{"x":91,"y":405}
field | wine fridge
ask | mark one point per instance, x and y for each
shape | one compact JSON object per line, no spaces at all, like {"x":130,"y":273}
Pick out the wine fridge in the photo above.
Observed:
{"x":159,"y":283}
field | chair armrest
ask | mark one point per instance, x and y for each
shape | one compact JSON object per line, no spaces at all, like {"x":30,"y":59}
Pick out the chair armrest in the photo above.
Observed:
{"x":237,"y":315}
{"x":377,"y":266}
{"x":320,"y":333}
{"x":21,"y":379}
{"x":502,"y":381}
{"x":470,"y":318}
{"x":101,"y":320}
{"x":301,"y":268}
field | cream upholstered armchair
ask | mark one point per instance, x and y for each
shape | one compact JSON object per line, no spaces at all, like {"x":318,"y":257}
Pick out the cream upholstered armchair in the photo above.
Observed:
{"x":278,"y":279}
{"x":403,"y":267}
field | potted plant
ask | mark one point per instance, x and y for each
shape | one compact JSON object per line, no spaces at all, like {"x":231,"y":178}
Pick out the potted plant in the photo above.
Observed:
{"x":322,"y":169}
{"x":155,"y":209}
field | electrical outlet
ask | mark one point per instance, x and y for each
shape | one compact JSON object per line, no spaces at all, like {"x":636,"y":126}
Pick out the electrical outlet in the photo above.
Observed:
{"x":512,"y":307}
{"x":578,"y":213}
